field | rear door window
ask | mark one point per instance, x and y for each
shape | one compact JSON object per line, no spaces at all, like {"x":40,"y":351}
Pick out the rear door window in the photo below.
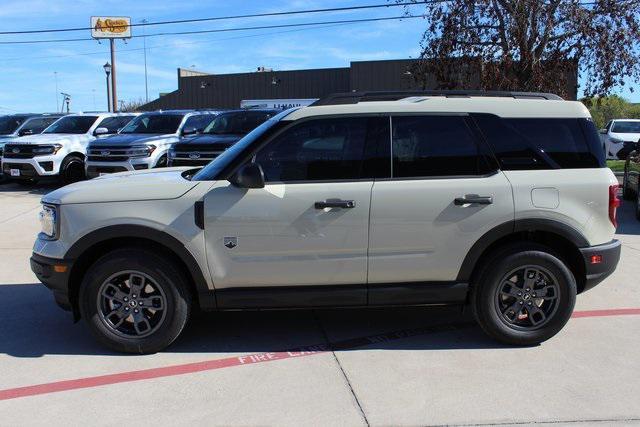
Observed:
{"x":542,"y":143}
{"x":436,"y":146}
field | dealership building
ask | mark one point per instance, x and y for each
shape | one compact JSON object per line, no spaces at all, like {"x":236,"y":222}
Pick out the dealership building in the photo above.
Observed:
{"x":268,"y":87}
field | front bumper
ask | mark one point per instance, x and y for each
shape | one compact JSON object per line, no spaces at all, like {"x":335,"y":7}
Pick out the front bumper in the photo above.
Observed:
{"x":94,"y":169}
{"x":50,"y":272}
{"x":41,"y":166}
{"x":609,"y":254}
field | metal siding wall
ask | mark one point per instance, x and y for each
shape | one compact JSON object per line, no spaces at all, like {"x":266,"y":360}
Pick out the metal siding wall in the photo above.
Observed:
{"x":227,"y":90}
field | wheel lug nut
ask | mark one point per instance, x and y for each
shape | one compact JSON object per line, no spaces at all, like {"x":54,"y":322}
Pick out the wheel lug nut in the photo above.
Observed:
{"x":521,"y":302}
{"x":519,"y":294}
{"x":135,"y":311}
{"x":126,"y":299}
{"x":126,"y":309}
{"x":134,"y":296}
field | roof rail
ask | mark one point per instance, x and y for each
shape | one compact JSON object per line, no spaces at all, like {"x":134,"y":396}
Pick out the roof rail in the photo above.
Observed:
{"x":369,"y":96}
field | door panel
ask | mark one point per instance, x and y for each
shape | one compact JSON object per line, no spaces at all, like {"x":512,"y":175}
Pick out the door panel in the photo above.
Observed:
{"x":276,"y":236}
{"x":418,"y":232}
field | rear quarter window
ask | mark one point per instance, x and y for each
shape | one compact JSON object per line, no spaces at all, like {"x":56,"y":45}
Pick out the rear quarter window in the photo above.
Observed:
{"x":542,"y":143}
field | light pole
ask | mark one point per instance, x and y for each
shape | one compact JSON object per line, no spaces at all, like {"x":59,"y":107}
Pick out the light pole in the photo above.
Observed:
{"x":144,"y":41}
{"x":107,"y":70}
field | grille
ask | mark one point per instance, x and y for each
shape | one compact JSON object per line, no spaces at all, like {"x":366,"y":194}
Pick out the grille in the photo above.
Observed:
{"x":23,"y":151}
{"x":112,"y":153}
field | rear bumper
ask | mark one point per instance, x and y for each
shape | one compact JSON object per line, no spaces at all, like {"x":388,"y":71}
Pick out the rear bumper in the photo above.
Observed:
{"x":57,"y":281}
{"x":596,"y":273}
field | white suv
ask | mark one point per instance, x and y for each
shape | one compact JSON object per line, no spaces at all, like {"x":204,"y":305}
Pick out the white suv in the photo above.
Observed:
{"x":620,"y":137}
{"x":145,"y":142}
{"x":501,"y":202}
{"x":59,"y":151}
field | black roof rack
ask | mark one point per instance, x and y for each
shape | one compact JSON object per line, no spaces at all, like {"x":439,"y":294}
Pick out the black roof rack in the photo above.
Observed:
{"x":369,"y":96}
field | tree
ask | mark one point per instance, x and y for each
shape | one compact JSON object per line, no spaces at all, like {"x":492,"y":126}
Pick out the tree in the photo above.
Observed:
{"x":131,"y":105}
{"x":611,"y":107}
{"x":532,"y":45}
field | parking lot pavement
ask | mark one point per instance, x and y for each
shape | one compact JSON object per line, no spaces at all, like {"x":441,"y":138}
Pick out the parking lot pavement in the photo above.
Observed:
{"x":410,"y":366}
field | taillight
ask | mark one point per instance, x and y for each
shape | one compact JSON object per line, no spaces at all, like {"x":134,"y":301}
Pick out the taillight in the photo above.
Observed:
{"x":614,"y":204}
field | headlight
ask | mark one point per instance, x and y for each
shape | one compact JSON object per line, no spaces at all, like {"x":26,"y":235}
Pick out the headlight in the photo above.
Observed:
{"x":46,"y":149}
{"x":141,"y":151}
{"x":615,"y":141}
{"x":172,"y":154}
{"x":49,"y":221}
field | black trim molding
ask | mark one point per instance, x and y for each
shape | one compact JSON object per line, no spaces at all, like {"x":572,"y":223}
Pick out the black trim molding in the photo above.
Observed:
{"x":206,"y":296}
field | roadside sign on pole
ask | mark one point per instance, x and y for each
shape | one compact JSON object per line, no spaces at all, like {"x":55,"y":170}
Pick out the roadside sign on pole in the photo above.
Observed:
{"x":110,"y":27}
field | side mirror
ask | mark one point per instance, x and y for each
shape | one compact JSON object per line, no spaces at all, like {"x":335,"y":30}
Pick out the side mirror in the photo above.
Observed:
{"x":101,"y":131}
{"x":249,"y":176}
{"x":603,"y":131}
{"x":24,"y":132}
{"x":189,"y":131}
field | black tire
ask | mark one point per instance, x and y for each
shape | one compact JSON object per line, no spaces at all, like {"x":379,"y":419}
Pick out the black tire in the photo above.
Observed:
{"x":485,"y":294}
{"x":72,"y":169}
{"x":162,"y":162}
{"x":164,"y":274}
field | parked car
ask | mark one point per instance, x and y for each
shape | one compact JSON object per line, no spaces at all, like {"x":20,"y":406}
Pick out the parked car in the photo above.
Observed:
{"x":631,"y":180}
{"x":619,"y":137}
{"x":59,"y":151}
{"x":502,"y":203}
{"x":17,"y":125}
{"x":145,"y":142}
{"x":224,"y":131}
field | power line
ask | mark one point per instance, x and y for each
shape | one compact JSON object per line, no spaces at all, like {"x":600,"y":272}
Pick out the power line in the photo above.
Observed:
{"x":125,"y":51}
{"x":224,"y":30}
{"x":253,"y":15}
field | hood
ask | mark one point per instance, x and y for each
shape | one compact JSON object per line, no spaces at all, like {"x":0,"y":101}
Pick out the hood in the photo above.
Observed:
{"x":51,"y":138}
{"x":153,"y":184}
{"x":226,"y":140}
{"x":127,"y":139}
{"x":626,"y":137}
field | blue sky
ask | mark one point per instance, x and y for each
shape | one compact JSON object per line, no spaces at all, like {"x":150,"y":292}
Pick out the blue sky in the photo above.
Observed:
{"x":27,"y":79}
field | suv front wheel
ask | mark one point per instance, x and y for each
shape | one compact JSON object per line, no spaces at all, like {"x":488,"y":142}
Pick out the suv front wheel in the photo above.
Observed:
{"x":524,"y":296}
{"x":135,"y":301}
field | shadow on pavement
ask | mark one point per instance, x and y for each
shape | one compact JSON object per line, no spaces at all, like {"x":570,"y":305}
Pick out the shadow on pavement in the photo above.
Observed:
{"x":39,"y":189}
{"x":33,"y":326}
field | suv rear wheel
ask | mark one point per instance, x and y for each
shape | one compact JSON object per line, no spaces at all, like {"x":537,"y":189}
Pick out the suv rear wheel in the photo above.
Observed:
{"x":135,"y":301}
{"x":524,"y":296}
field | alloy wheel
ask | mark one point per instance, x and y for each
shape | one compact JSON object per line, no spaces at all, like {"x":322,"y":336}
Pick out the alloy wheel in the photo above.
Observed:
{"x":131,"y":304}
{"x":527,"y":297}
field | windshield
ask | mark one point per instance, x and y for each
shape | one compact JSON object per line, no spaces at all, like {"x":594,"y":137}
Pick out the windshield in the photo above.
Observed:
{"x":9,"y":124}
{"x":626,"y":127}
{"x":210,"y":171}
{"x":72,"y":124}
{"x":240,"y":123}
{"x":154,"y":123}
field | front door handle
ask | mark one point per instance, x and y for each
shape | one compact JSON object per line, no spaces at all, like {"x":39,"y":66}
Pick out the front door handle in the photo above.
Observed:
{"x":473,"y":199}
{"x":335,"y":203}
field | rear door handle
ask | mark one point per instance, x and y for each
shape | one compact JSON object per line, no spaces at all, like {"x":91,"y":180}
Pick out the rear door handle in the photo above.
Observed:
{"x":473,"y":199}
{"x":334,"y":203}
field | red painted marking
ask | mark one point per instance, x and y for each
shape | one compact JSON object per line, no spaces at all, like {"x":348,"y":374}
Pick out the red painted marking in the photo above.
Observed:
{"x":210,"y":365}
{"x":611,"y":312}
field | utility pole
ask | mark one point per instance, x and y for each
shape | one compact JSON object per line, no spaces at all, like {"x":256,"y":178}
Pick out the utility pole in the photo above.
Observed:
{"x":114,"y":95}
{"x":144,"y":41}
